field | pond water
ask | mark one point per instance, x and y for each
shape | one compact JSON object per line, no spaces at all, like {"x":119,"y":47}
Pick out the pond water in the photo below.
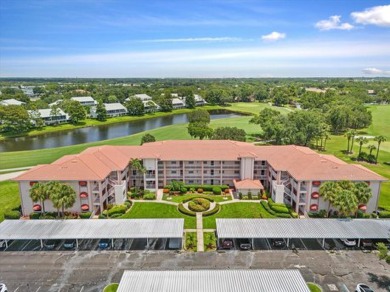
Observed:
{"x":98,"y":133}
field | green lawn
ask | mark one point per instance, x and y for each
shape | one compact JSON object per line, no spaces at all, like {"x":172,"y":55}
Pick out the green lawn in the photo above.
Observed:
{"x":255,"y":107}
{"x":9,"y":197}
{"x":237,"y":210}
{"x":111,"y":288}
{"x":158,"y":210}
{"x":181,"y":198}
{"x":314,"y":287}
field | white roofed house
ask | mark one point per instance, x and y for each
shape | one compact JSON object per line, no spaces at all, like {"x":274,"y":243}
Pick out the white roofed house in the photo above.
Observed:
{"x":85,"y":100}
{"x":11,"y":101}
{"x":51,"y":117}
{"x":112,"y":109}
{"x":177,"y":103}
{"x":199,"y":100}
{"x":149,"y":104}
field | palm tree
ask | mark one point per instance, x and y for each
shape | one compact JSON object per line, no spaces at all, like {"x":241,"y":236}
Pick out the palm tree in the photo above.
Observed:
{"x":136,"y":164}
{"x":329,"y":191}
{"x":353,"y":133}
{"x":362,"y":192}
{"x":349,"y":135}
{"x":362,"y":140}
{"x":371,"y":148}
{"x":379,"y":139}
{"x":346,"y":202}
{"x":62,"y":195}
{"x":39,"y":192}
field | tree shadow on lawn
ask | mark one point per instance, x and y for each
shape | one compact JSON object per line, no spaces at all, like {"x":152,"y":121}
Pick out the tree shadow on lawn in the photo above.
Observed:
{"x":383,"y":282}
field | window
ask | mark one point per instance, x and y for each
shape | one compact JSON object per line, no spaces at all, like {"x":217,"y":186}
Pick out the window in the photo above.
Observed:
{"x":173,"y":162}
{"x":173,"y":171}
{"x":255,"y":171}
{"x":212,"y":162}
{"x":263,"y":162}
{"x":212,"y":172}
{"x":190,"y":171}
{"x":190,"y":162}
{"x":236,"y":162}
{"x":263,"y":172}
{"x":205,"y":171}
{"x":134,"y":172}
{"x":236,"y":171}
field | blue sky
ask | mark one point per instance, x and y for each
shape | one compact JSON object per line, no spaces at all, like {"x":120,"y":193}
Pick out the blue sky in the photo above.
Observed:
{"x":210,"y":38}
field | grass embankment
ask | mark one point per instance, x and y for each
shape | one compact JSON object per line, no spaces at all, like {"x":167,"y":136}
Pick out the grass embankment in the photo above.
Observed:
{"x":237,"y":210}
{"x":9,"y":197}
{"x":380,"y":126}
{"x":158,"y":210}
{"x":114,"y":120}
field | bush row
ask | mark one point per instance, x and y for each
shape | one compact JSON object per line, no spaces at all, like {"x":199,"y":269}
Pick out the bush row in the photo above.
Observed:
{"x":384,"y":214}
{"x":272,"y":212}
{"x":206,"y":188}
{"x":12,"y":215}
{"x":212,"y":211}
{"x":199,"y":196}
{"x":278,"y":207}
{"x":183,"y":210}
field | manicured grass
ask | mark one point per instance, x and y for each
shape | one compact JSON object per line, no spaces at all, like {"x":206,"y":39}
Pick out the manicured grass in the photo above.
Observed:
{"x":111,"y":288}
{"x":237,"y":210}
{"x":191,"y":241}
{"x":158,"y":210}
{"x":314,"y":287}
{"x":9,"y":197}
{"x":255,"y":107}
{"x":181,"y":198}
{"x":209,"y":241}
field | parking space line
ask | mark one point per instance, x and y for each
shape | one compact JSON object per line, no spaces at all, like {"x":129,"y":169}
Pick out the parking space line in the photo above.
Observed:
{"x":268,"y":244}
{"x":38,"y":289}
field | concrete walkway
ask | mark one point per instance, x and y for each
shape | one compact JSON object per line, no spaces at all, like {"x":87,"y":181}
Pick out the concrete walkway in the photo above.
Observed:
{"x":199,"y":231}
{"x":8,"y":176}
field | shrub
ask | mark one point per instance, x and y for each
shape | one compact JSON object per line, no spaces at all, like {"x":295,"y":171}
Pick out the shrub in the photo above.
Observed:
{"x":101,"y":216}
{"x":217,"y":190}
{"x":85,"y":215}
{"x":279,"y":209}
{"x":249,"y":195}
{"x":384,"y":214}
{"x":192,"y":190}
{"x":118,"y":209}
{"x":47,"y":216}
{"x":227,"y":191}
{"x":166,"y":191}
{"x":185,"y":211}
{"x":34,"y":215}
{"x":267,"y":208}
{"x":283,"y":215}
{"x":294,"y":215}
{"x":183,"y":190}
{"x":240,"y":195}
{"x":128,"y":204}
{"x":109,"y":206}
{"x":11,"y":215}
{"x":150,"y":196}
{"x":322,"y":213}
{"x":199,"y":205}
{"x":212,"y":211}
{"x":116,"y":215}
{"x":200,"y":190}
{"x":198,"y":196}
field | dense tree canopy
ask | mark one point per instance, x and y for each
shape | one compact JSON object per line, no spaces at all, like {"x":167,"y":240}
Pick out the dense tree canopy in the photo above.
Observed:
{"x":135,"y":106}
{"x":14,"y":119}
{"x":229,"y":133}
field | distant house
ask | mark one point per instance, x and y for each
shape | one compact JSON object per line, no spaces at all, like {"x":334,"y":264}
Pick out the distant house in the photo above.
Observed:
{"x":85,"y":100}
{"x":112,"y":109}
{"x":28,"y":90}
{"x":147,"y":101}
{"x":57,"y":102}
{"x":371,"y":92}
{"x":50,"y":119}
{"x":199,"y":101}
{"x":177,"y":103}
{"x":11,"y":101}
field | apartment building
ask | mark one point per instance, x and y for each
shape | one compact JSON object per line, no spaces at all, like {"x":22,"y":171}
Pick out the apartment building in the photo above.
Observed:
{"x":292,"y":174}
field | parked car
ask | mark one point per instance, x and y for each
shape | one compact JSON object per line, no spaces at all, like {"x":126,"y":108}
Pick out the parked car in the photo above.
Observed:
{"x":278,"y":242}
{"x":2,"y":245}
{"x":227,"y":244}
{"x":51,"y":244}
{"x":104,"y":243}
{"x":367,"y":243}
{"x":348,"y":242}
{"x":244,"y":244}
{"x":3,"y":288}
{"x":363,"y":288}
{"x":69,"y":243}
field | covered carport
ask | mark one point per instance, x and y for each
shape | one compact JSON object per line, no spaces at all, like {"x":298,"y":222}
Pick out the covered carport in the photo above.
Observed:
{"x":79,"y":229}
{"x":213,"y":281}
{"x":303,"y":229}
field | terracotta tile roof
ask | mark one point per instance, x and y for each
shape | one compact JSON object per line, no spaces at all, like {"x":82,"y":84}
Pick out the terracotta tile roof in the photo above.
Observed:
{"x":248,"y":184}
{"x":302,"y":163}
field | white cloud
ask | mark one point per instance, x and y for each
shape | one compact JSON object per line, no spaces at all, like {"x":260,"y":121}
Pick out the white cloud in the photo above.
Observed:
{"x":333,"y":22}
{"x":375,"y":71}
{"x":378,"y":15}
{"x":204,"y":39}
{"x":273,"y":36}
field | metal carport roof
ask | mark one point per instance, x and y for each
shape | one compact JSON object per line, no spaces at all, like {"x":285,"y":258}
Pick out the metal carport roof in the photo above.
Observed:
{"x":303,"y":228}
{"x":213,"y":281}
{"x":91,"y":229}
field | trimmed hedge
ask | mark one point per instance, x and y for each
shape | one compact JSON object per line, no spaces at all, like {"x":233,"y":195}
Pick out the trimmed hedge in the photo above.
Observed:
{"x":150,"y":196}
{"x":199,"y":205}
{"x":272,"y":212}
{"x":11,"y":215}
{"x":280,"y":209}
{"x":212,"y":211}
{"x":206,"y":188}
{"x":34,"y":215}
{"x":217,"y":190}
{"x":382,"y":214}
{"x":199,"y":196}
{"x":183,"y":210}
{"x":118,"y":209}
{"x":85,"y":215}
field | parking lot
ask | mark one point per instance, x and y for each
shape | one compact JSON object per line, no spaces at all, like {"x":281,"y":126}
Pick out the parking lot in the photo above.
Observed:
{"x":89,"y":245}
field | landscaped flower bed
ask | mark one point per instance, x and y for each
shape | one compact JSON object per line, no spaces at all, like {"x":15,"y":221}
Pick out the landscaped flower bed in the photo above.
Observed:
{"x":199,"y":205}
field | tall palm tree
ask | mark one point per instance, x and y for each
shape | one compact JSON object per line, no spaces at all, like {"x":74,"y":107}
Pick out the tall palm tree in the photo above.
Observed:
{"x":349,"y":135}
{"x":353,"y":133}
{"x":136,"y":164}
{"x":329,"y":191}
{"x":371,"y":148}
{"x":63,"y":196}
{"x":361,"y":140}
{"x":379,"y":139}
{"x":39,"y":192}
{"x":346,"y":202}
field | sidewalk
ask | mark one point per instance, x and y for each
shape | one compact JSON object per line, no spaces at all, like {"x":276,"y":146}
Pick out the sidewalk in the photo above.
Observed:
{"x":11,"y":175}
{"x":199,"y":231}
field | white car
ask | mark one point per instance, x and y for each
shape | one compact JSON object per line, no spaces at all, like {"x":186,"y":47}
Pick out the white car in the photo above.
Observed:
{"x":2,"y":245}
{"x":3,"y":288}
{"x":363,"y":288}
{"x":348,"y":242}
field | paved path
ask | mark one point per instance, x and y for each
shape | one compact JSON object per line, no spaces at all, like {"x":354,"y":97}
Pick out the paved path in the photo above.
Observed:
{"x":15,"y":169}
{"x":8,"y":176}
{"x":199,"y":231}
